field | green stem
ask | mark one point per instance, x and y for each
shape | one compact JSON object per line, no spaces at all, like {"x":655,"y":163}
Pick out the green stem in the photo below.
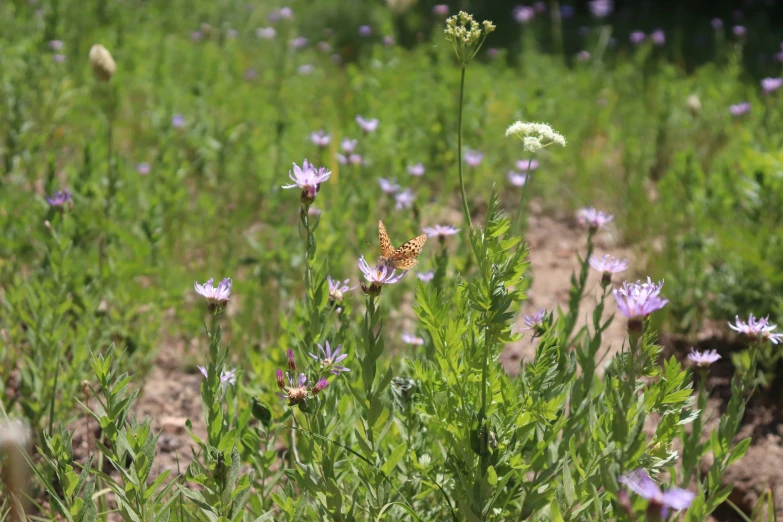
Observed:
{"x":484,"y":425}
{"x":54,"y":387}
{"x":465,"y":209}
{"x":528,"y":179}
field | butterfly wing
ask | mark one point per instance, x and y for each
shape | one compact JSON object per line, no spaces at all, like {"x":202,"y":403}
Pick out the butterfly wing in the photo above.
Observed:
{"x":387,"y":250}
{"x":405,"y":257}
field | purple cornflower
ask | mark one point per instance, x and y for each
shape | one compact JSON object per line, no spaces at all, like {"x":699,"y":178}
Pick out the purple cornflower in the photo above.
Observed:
{"x":516,"y":179}
{"x":408,"y":338}
{"x":284,"y":13}
{"x":539,"y":6}
{"x":583,"y":56}
{"x":196,"y":36}
{"x":319,"y":386}
{"x":637,"y":37}
{"x":266,"y":33}
{"x":525,"y":165}
{"x":535,"y":322}
{"x":716,"y":23}
{"x":227,"y":377}
{"x":640,"y":483}
{"x":56,"y":45}
{"x":337,"y":289}
{"x":441,"y":10}
{"x":704,"y":358}
{"x":217,"y":298}
{"x":367,"y":126}
{"x":771,"y":84}
{"x":289,"y":354}
{"x":296,"y":391}
{"x":60,"y":199}
{"x":388,"y":186}
{"x":251,"y":74}
{"x":426,"y":277}
{"x":638,"y":300}
{"x":308,"y":179}
{"x":658,"y":37}
{"x":473,"y":157}
{"x":739,"y":30}
{"x":329,"y":360}
{"x":348,"y":145}
{"x":365,"y":30}
{"x":600,"y":8}
{"x":493,"y":52}
{"x":592,"y":219}
{"x":353,"y":159}
{"x":440,"y":231}
{"x":320,"y":138}
{"x":523,"y":14}
{"x":59,"y":58}
{"x":305,"y":69}
{"x":416,"y":170}
{"x":404,"y":199}
{"x":759,"y":328}
{"x":178,"y":121}
{"x":739,"y":109}
{"x":299,"y":42}
{"x":608,"y":265}
{"x":143,"y":168}
{"x":378,"y":276}
{"x":324,"y":47}
{"x":388,"y":41}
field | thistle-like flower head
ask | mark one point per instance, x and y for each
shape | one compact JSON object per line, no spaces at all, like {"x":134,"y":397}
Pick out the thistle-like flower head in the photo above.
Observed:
{"x":440,"y":231}
{"x":308,"y":179}
{"x":409,"y":338}
{"x":330,"y":360}
{"x":704,"y":358}
{"x":593,"y":219}
{"x":661,"y":502}
{"x":416,"y":170}
{"x":217,"y":298}
{"x":378,"y":276}
{"x":60,"y":200}
{"x":638,"y":300}
{"x":320,"y":138}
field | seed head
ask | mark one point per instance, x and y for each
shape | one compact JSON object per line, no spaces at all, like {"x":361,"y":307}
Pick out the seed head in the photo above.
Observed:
{"x":102,"y":63}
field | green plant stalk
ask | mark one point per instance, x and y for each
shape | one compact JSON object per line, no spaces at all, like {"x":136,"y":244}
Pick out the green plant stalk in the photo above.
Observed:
{"x":528,"y":180}
{"x":483,"y":419}
{"x":54,"y":387}
{"x":465,"y":209}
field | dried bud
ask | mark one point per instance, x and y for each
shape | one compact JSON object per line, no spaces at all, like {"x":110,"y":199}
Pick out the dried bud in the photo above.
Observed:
{"x":102,"y":63}
{"x":291,"y":360}
{"x":280,"y":379}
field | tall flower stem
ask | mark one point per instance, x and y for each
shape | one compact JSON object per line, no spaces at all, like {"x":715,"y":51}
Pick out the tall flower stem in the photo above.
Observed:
{"x":465,"y":208}
{"x":528,"y":180}
{"x":483,"y":419}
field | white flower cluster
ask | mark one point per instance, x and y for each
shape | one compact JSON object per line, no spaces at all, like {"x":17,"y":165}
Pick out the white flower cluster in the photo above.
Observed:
{"x":535,"y":136}
{"x":466,"y":35}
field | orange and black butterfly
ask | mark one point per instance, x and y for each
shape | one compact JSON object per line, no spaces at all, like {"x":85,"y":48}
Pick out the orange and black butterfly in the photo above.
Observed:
{"x":404,"y":257}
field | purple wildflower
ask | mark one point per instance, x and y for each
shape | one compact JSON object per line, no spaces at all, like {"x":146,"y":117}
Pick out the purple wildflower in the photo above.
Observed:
{"x":324,"y":47}
{"x":535,"y":322}
{"x":388,"y":41}
{"x":319,"y":386}
{"x":637,"y":37}
{"x":640,"y":483}
{"x":539,"y":6}
{"x":771,"y":84}
{"x":299,"y":42}
{"x":416,"y":170}
{"x":388,"y":186}
{"x":441,"y":10}
{"x":378,"y":276}
{"x":330,"y":360}
{"x":601,"y":8}
{"x":426,"y":277}
{"x":320,"y":138}
{"x":473,"y":157}
{"x":440,"y":231}
{"x":716,"y":23}
{"x":404,"y":199}
{"x":59,"y":58}
{"x":608,"y":264}
{"x":365,"y":30}
{"x":196,"y":36}
{"x":592,"y":219}
{"x":308,"y":179}
{"x":367,"y":126}
{"x":516,"y":179}
{"x":493,"y":52}
{"x":638,"y":300}
{"x":523,"y":14}
{"x":289,"y":354}
{"x":658,"y":37}
{"x":758,"y":328}
{"x":143,"y":168}
{"x":251,"y":74}
{"x":217,"y":298}
{"x":178,"y":121}
{"x":704,"y":358}
{"x":266,"y":33}
{"x":525,"y":165}
{"x":337,"y":290}
{"x":284,"y":13}
{"x":56,"y":45}
{"x":408,"y":338}
{"x":353,"y":159}
{"x":305,"y":69}
{"x":60,"y":199}
{"x":348,"y":145}
{"x":227,"y":377}
{"x":739,"y":109}
{"x":296,"y":391}
{"x":739,"y":31}
{"x":583,"y":56}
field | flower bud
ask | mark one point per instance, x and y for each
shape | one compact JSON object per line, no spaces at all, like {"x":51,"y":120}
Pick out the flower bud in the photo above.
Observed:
{"x":291,"y":360}
{"x":319,"y":386}
{"x":280,"y":379}
{"x":102,"y":63}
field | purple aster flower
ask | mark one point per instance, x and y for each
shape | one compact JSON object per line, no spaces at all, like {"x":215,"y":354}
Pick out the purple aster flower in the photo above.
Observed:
{"x":378,"y":276}
{"x":408,"y":338}
{"x":388,"y":41}
{"x":251,"y":74}
{"x":739,"y":30}
{"x":493,"y":52}
{"x":607,"y":265}
{"x":348,"y":145}
{"x":312,"y":211}
{"x":716,"y":23}
{"x":759,"y":328}
{"x":178,"y":121}
{"x":330,"y":360}
{"x":319,"y":386}
{"x":516,"y":179}
{"x":59,"y":58}
{"x":535,"y":322}
{"x":771,"y":84}
{"x":523,"y":14}
{"x":658,"y":37}
{"x":352,"y":159}
{"x":404,"y":199}
{"x":231,"y":33}
{"x":704,"y":358}
{"x":525,"y":165}
{"x":60,"y":199}
{"x":473,"y":157}
{"x":324,"y":47}
{"x":143,"y":168}
{"x":365,"y":30}
{"x":305,"y":69}
{"x":640,"y":483}
{"x":367,"y":126}
{"x":638,"y":300}
{"x":299,"y":42}
{"x":56,"y":45}
{"x":266,"y":33}
{"x":583,"y":56}
{"x":289,"y":355}
{"x":296,"y":391}
{"x":217,"y":298}
{"x":196,"y":36}
{"x":592,"y":219}
{"x":539,"y":6}
{"x":388,"y":186}
{"x":308,"y":179}
{"x":227,"y":377}
{"x":441,"y":10}
{"x":440,"y":231}
{"x":739,"y":109}
{"x":600,"y":8}
{"x":337,"y":289}
{"x":284,"y":13}
{"x":779,"y":56}
{"x":416,"y":170}
{"x":427,"y":276}
{"x":566,"y":12}
{"x":637,"y":37}
{"x":320,"y":138}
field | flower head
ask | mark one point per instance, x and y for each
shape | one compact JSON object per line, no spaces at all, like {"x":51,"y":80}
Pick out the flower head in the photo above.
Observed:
{"x":378,"y":276}
{"x":582,"y":56}
{"x":771,"y":84}
{"x":266,"y":33}
{"x":178,"y":121}
{"x":739,"y":30}
{"x":593,"y":219}
{"x":227,"y":377}
{"x":320,"y":138}
{"x":388,"y":186}
{"x":337,"y":289}
{"x":535,"y":322}
{"x":143,"y":168}
{"x":441,"y":10}
{"x":308,"y":179}
{"x":608,"y":265}
{"x":601,"y":8}
{"x":739,"y":109}
{"x":466,"y":35}
{"x":409,"y":338}
{"x":388,"y":41}
{"x":704,"y":358}
{"x":473,"y":157}
{"x":59,"y":58}
{"x":60,"y":199}
{"x":102,"y":63}
{"x":348,"y":145}
{"x":637,"y":37}
{"x":658,"y":37}
{"x":55,"y":45}
{"x":426,"y":277}
{"x":367,"y":126}
{"x":350,"y":159}
{"x":324,"y":47}
{"x":217,"y":298}
{"x":365,"y":30}
{"x":296,"y":391}
{"x":523,"y":14}
{"x":716,"y":23}
{"x":535,"y":136}
{"x":319,"y":386}
{"x":757,"y":328}
{"x":284,"y":13}
{"x":404,"y":199}
{"x":516,"y":179}
{"x":440,"y":231}
{"x":416,"y":170}
{"x":640,"y":483}
{"x":299,"y":42}
{"x":330,"y":360}
{"x":527,"y":165}
{"x":638,"y":300}
{"x":289,"y":354}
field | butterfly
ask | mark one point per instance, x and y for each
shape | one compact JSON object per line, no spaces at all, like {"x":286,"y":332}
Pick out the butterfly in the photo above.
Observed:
{"x":403,"y":257}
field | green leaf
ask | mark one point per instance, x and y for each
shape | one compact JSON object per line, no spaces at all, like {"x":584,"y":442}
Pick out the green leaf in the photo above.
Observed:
{"x":738,"y":451}
{"x":492,"y":476}
{"x":394,"y":458}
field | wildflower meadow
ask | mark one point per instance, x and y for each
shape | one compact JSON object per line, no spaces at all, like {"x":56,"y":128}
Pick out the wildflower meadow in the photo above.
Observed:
{"x":353,"y":260}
